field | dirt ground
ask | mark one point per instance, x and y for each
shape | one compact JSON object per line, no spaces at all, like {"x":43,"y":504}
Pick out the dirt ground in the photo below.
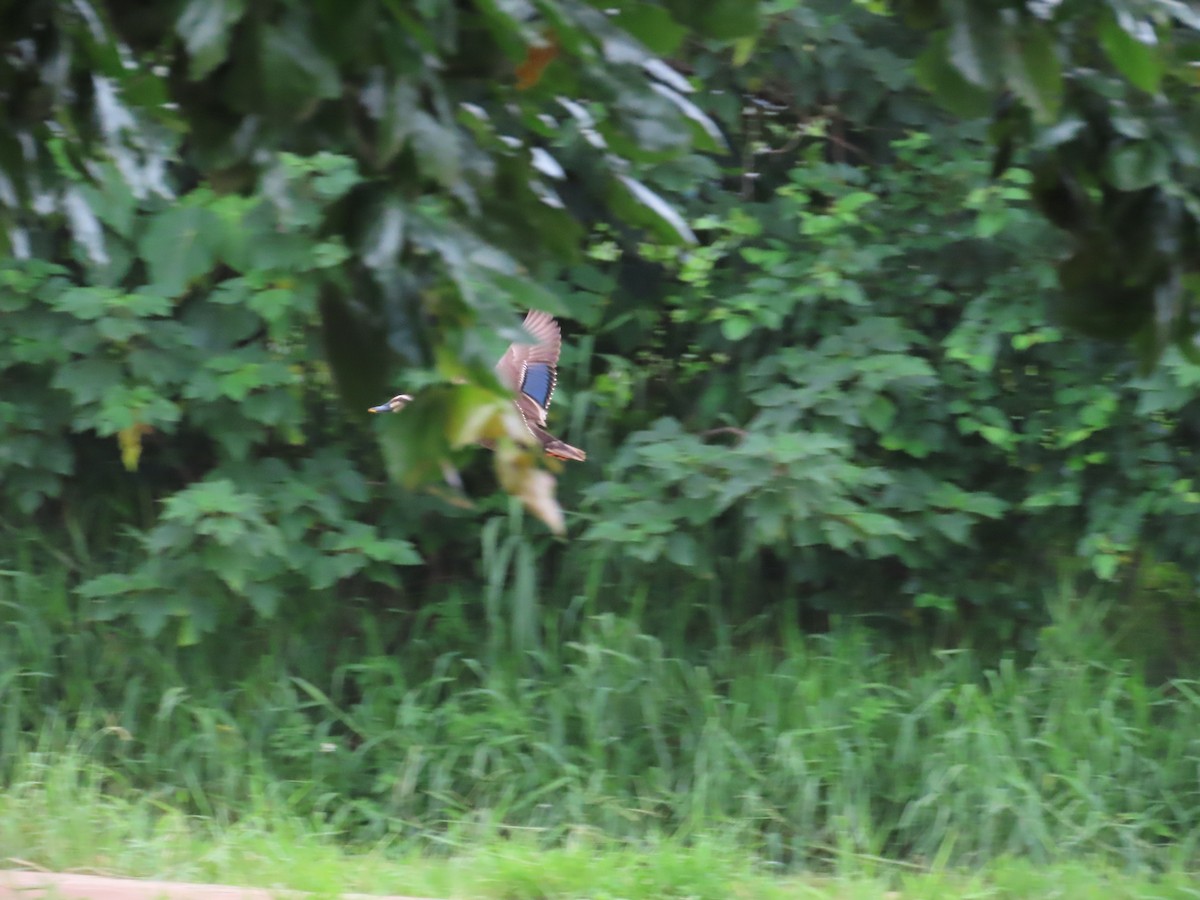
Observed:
{"x":15,"y":885}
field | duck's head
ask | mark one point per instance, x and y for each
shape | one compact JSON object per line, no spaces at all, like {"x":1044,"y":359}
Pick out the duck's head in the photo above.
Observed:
{"x":396,"y":404}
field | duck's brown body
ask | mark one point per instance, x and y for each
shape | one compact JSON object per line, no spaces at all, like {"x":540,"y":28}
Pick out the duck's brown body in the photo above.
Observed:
{"x":530,"y":371}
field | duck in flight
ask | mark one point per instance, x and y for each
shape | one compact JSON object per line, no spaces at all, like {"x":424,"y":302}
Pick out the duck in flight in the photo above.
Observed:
{"x":530,"y":371}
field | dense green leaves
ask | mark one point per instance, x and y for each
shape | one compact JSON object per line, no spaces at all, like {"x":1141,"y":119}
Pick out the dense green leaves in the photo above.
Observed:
{"x":446,"y":115}
{"x":811,"y":363}
{"x":1112,"y":135}
{"x":193,"y":376}
{"x":216,"y":547}
{"x":871,"y":404}
{"x":807,"y":347}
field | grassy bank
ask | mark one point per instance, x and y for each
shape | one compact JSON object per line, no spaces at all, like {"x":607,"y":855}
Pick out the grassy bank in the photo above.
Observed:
{"x":60,"y":815}
{"x":799,"y":752}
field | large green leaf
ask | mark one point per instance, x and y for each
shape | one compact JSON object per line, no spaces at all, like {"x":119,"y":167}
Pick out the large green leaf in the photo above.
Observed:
{"x":179,"y":245}
{"x":723,"y":19}
{"x":295,"y":74}
{"x":652,"y":25}
{"x":708,"y":135}
{"x":643,"y":204}
{"x":1139,"y":164}
{"x":1134,"y":52}
{"x":1034,"y":70}
{"x":975,"y":42}
{"x":437,"y":150}
{"x":935,"y":73}
{"x":205,"y":26}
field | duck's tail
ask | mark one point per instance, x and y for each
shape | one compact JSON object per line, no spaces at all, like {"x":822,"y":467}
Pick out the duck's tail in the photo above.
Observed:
{"x":562,"y":450}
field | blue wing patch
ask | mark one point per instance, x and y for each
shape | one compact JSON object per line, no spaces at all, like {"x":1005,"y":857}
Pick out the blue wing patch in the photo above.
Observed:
{"x":538,"y":383}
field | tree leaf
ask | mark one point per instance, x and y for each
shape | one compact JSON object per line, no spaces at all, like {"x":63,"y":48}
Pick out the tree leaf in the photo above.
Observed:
{"x":180,"y":245}
{"x":879,"y":413}
{"x":722,"y":19}
{"x":295,"y":73}
{"x":437,"y":148}
{"x":395,"y":106}
{"x":707,"y":132}
{"x":85,"y":226}
{"x":385,"y":235}
{"x":667,"y":75}
{"x":547,"y":164}
{"x":656,"y":211}
{"x":735,"y":328}
{"x":653,"y":26}
{"x":1139,"y":165}
{"x":205,"y":26}
{"x":1138,"y":61}
{"x":1184,"y":13}
{"x":936,"y":74}
{"x":975,"y":43}
{"x":1034,"y":71}
{"x":537,"y":58}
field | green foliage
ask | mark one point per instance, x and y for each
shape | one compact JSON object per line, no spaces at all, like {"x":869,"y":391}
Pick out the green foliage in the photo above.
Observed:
{"x":841,"y":399}
{"x":191,"y":347}
{"x":215,"y":549}
{"x":59,"y":817}
{"x":450,"y":120}
{"x":800,"y":751}
{"x":871,"y":405}
{"x":1101,"y":98}
{"x":845,"y":396}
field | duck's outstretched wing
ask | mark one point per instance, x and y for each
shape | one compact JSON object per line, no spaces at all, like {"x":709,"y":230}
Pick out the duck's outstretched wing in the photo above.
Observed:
{"x":531,"y":370}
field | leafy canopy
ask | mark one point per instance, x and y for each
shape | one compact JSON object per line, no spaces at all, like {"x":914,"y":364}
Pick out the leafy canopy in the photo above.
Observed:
{"x":462,"y":121}
{"x":1101,"y":99}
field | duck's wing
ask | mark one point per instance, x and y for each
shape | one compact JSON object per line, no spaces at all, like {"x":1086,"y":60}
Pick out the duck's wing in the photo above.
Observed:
{"x":531,"y":370}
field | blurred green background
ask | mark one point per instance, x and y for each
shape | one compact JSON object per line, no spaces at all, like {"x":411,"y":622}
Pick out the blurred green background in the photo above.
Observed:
{"x":877,"y":333}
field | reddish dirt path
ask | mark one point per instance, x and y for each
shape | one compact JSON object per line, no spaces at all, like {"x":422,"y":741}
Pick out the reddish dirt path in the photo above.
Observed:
{"x":15,"y":885}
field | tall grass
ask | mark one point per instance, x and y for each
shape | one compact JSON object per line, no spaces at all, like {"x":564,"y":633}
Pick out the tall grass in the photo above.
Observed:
{"x":802,"y":750}
{"x":58,"y":815}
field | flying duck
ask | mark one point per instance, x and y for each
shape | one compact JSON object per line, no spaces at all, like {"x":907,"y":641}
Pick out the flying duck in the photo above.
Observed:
{"x":530,"y":371}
